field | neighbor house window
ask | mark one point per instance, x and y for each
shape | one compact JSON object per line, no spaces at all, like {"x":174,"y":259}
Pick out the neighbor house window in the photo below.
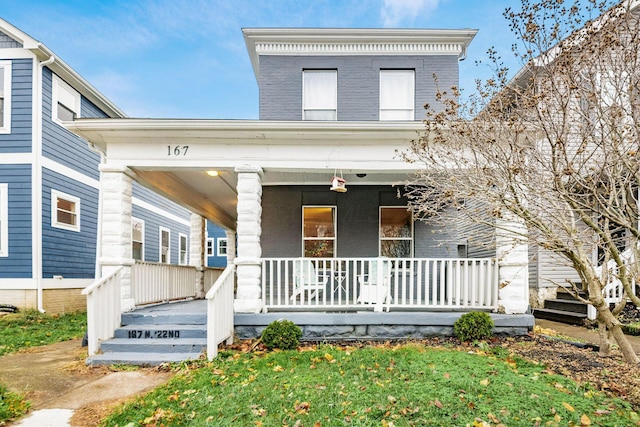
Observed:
{"x":222,"y":246}
{"x":65,"y":211}
{"x":319,"y":231}
{"x":137,"y":239}
{"x":182,"y":249}
{"x":5,"y":96}
{"x":4,"y":220}
{"x":397,"y":94}
{"x":164,"y":246}
{"x":210,"y":247}
{"x":320,"y":95}
{"x":396,"y":232}
{"x":65,"y":101}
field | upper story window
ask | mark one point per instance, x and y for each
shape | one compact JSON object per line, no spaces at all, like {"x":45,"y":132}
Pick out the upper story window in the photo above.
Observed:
{"x":396,"y":232}
{"x":65,"y":101}
{"x":319,"y":231}
{"x":320,"y":95}
{"x":137,"y":239}
{"x":65,"y":211}
{"x":5,"y":96}
{"x":4,"y":220}
{"x":397,"y":94}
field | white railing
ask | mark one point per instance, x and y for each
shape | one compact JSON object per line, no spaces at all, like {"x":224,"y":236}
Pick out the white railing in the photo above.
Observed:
{"x":613,"y":292}
{"x":220,"y":312}
{"x":211,"y":275}
{"x":379,"y":283}
{"x":103,"y":309}
{"x":154,"y":283}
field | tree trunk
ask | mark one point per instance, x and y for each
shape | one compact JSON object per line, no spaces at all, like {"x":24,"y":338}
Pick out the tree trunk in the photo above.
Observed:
{"x":613,"y":325}
{"x":605,"y":342}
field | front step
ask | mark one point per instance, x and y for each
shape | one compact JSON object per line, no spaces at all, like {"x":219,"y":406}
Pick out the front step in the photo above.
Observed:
{"x":560,"y":316}
{"x":139,"y":359}
{"x":570,"y":305}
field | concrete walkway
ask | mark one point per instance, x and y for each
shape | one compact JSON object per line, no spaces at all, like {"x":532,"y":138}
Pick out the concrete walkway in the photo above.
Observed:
{"x":582,"y":333}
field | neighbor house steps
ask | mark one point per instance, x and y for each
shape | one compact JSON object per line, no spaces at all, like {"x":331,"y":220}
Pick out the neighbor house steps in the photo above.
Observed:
{"x":154,"y":336}
{"x":564,"y":308}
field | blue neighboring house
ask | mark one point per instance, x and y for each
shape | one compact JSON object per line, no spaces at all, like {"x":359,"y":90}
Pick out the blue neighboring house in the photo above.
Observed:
{"x":217,"y":248}
{"x":50,"y":185}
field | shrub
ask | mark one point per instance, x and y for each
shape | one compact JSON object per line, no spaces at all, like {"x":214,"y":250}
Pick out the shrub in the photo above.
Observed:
{"x":473,"y":326}
{"x":282,"y":334}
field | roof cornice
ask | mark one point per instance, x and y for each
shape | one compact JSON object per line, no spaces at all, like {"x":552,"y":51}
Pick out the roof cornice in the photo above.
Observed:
{"x":354,"y":41}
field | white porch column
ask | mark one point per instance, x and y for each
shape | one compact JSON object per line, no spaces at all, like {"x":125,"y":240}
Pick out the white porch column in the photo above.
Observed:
{"x":197,"y":245}
{"x":249,"y":252}
{"x":231,"y":246}
{"x":513,"y":264}
{"x":115,"y":240}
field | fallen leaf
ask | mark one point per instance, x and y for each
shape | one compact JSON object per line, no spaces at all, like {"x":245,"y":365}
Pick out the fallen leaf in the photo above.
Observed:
{"x":438,"y":404}
{"x":278,"y":368}
{"x":585,"y":420}
{"x":484,"y":382}
{"x":568,"y":407}
{"x":446,"y":375}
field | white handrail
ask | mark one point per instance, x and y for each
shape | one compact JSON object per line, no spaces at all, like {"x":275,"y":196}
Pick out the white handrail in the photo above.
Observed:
{"x":156,"y":282}
{"x":103,"y":309}
{"x":220,"y":312}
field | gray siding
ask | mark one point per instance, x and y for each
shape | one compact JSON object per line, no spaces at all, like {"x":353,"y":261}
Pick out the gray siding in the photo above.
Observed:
{"x":435,"y":240}
{"x":7,"y":42}
{"x":70,"y":254}
{"x":480,"y":238}
{"x":18,"y":263}
{"x":280,"y":83}
{"x":19,"y":140}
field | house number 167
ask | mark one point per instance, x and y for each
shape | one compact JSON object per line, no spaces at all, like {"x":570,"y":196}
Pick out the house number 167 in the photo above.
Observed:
{"x":177,"y":150}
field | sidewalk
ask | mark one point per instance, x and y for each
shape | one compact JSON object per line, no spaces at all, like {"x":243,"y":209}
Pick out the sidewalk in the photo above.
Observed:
{"x":582,"y":333}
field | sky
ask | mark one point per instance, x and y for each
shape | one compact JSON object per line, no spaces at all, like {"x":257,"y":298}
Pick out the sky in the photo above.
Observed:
{"x":188,"y":59}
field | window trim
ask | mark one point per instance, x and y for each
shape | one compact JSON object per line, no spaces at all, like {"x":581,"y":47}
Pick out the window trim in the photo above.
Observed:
{"x":306,"y":72}
{"x":55,"y":195}
{"x":182,"y":250}
{"x":58,"y":87}
{"x":412,"y":110}
{"x":381,"y":239}
{"x":210,"y":246}
{"x":160,"y":231}
{"x":6,"y":127}
{"x":218,"y":246}
{"x":335,"y":229}
{"x":4,"y":220}
{"x":138,"y":221}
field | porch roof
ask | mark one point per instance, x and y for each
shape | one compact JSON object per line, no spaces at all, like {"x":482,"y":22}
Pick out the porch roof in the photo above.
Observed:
{"x":172,"y":155}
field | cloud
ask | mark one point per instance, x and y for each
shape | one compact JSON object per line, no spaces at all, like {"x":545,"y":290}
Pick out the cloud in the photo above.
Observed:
{"x":395,"y":11}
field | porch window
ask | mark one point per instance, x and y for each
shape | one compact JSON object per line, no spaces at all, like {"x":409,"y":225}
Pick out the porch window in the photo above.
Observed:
{"x":222,"y":246}
{"x":4,"y":220}
{"x":65,"y":211}
{"x":397,"y":94}
{"x":5,"y":96}
{"x":164,"y":246}
{"x":65,"y":101}
{"x":396,"y":232}
{"x":210,"y":246}
{"x":137,"y":239}
{"x":319,"y":231}
{"x":182,"y":249}
{"x":319,"y":95}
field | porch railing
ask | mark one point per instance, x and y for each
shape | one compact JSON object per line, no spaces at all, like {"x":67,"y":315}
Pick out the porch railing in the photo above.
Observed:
{"x":379,"y":283}
{"x":154,"y":282}
{"x":220,"y":312}
{"x":613,"y":291}
{"x":103,"y":309}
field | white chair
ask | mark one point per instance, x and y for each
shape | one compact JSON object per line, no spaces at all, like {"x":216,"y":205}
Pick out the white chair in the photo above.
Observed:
{"x":306,"y":279}
{"x":375,"y":286}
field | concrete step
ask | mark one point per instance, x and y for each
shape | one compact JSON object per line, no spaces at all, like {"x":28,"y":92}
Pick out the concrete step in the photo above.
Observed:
{"x":164,"y":346}
{"x":573,"y":306}
{"x":560,"y":316}
{"x":152,"y":318}
{"x":165,"y":331}
{"x":139,"y":359}
{"x":562,"y":294}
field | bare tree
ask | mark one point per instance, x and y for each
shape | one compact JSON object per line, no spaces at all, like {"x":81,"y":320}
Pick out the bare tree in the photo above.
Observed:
{"x":557,"y":147}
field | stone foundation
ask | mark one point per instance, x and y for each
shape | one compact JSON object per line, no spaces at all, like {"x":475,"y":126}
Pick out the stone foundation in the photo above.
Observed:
{"x":537,"y":296}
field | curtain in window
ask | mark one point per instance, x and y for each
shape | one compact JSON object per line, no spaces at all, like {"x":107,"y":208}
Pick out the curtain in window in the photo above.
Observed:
{"x":320,"y":98}
{"x":396,"y":94}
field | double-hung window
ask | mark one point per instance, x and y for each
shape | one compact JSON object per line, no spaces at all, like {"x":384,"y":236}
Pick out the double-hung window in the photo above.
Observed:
{"x":397,"y":94}
{"x":320,"y":95}
{"x":222,"y":246}
{"x":137,"y":239}
{"x":5,"y":96}
{"x":65,"y":101}
{"x":396,"y":232}
{"x":4,"y":220}
{"x":165,"y":254}
{"x":319,"y":231}
{"x":65,"y":211}
{"x":210,"y":246}
{"x":182,"y":249}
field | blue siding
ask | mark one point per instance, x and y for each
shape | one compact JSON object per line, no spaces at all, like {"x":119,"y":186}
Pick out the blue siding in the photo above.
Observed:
{"x":214,"y":232}
{"x":61,"y":145}
{"x":152,"y":224}
{"x":18,"y":263}
{"x":19,"y":140}
{"x":280,"y":83}
{"x":70,"y":254}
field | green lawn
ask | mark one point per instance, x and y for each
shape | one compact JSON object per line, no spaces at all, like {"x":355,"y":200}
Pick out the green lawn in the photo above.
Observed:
{"x":372,"y":386}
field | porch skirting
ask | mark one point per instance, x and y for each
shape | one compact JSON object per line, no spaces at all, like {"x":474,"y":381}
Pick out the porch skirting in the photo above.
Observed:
{"x":375,"y":326}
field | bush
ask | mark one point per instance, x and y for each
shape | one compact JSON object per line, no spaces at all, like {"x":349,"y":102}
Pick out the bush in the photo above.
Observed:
{"x":282,"y":334}
{"x":473,"y":326}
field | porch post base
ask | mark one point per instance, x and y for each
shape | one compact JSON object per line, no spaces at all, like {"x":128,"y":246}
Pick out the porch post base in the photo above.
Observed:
{"x":247,"y":305}
{"x":127,"y":304}
{"x":512,"y":307}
